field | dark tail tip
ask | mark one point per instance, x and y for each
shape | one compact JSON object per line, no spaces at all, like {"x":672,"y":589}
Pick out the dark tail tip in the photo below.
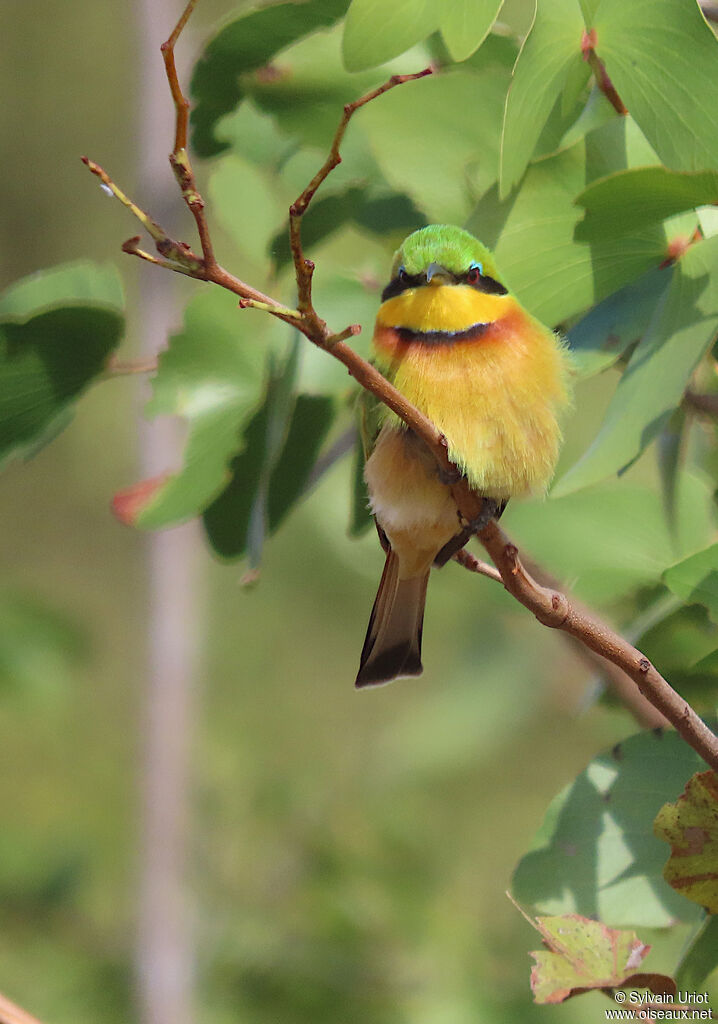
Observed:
{"x":395,"y":663}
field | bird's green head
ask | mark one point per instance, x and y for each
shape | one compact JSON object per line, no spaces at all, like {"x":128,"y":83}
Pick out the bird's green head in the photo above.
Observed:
{"x":443,"y":254}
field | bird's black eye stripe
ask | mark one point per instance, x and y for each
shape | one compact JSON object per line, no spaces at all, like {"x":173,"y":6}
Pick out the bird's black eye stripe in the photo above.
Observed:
{"x":400,"y":284}
{"x":486,"y":284}
{"x":403,"y":281}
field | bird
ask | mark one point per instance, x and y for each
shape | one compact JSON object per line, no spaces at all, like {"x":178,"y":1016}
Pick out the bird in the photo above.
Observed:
{"x":460,"y":347}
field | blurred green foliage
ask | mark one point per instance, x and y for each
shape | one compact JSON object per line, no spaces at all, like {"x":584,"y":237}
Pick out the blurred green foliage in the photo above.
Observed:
{"x":350,"y":852}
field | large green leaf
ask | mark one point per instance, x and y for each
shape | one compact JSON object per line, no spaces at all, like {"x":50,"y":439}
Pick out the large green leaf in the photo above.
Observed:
{"x":72,"y":284}
{"x":681,"y":331}
{"x":551,"y":49}
{"x":432,"y":166}
{"x":631,"y":199}
{"x":596,"y":853}
{"x":683,"y":643}
{"x":211,"y":375}
{"x":242,"y":47}
{"x":57,"y":329}
{"x":532,"y":231}
{"x":246,"y":204}
{"x":695,"y":579}
{"x":375,"y":31}
{"x":700,"y":957}
{"x":631,"y":544}
{"x":617,"y":323}
{"x":663,"y":59}
{"x":466,"y":23}
{"x":268,"y":476}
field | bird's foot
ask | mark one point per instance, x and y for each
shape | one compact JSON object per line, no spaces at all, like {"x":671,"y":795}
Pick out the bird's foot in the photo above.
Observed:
{"x":491,"y":509}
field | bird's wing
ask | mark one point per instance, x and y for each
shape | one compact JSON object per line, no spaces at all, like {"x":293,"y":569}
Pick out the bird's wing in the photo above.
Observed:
{"x":371,"y":412}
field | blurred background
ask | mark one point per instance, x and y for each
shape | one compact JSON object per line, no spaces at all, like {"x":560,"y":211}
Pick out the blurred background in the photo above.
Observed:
{"x":343,"y":856}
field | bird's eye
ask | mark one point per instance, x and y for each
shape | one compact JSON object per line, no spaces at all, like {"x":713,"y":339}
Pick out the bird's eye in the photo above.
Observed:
{"x":403,"y":276}
{"x":474,"y":273}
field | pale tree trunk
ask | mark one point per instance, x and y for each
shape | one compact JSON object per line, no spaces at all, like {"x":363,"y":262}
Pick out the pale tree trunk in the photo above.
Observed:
{"x":165,"y":956}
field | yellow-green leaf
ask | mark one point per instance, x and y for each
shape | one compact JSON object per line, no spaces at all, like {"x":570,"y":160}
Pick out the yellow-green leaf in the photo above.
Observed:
{"x":466,"y":23}
{"x":691,"y":827}
{"x":375,"y":31}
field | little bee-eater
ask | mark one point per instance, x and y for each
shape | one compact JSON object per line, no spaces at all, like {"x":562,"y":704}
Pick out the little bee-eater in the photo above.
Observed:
{"x":454,"y":340}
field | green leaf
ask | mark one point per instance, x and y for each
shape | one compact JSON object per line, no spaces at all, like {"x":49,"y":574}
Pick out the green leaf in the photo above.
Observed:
{"x":466,"y":23}
{"x":40,"y":648}
{"x":681,"y":331}
{"x":309,"y":425}
{"x":242,"y":47}
{"x":554,"y":275}
{"x":543,"y":66}
{"x":269,"y":475}
{"x":695,"y":579}
{"x":580,"y":954}
{"x":237,"y":519}
{"x":690,"y":826}
{"x":631,"y":545}
{"x":596,"y":853}
{"x":211,"y":375}
{"x":700,"y":958}
{"x":588,"y":9}
{"x":246,"y":204}
{"x":684,"y":645}
{"x":631,"y":199}
{"x":432,"y":165}
{"x":617,"y":323}
{"x":662,"y":57}
{"x":360,"y":518}
{"x":72,"y":284}
{"x":57,"y":329}
{"x":670,"y":452}
{"x":375,"y":31}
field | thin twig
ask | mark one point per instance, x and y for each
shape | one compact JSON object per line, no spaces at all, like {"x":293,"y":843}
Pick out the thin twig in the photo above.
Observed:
{"x":179,"y":158}
{"x":604,"y":83}
{"x":304,"y":268}
{"x":474,"y":564}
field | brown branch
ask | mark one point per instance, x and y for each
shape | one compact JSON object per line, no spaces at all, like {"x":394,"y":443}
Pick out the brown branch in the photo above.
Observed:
{"x":474,"y":564}
{"x":604,"y":83}
{"x":303,"y":267}
{"x":702,"y":403}
{"x":10,"y":1013}
{"x":179,"y":157}
{"x":549,"y":606}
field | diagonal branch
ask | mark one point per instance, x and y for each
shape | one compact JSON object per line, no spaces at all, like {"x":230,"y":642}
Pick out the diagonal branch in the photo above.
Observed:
{"x":549,"y":606}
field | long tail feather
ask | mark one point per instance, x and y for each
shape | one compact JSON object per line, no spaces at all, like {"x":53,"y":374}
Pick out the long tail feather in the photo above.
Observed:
{"x":392,"y":647}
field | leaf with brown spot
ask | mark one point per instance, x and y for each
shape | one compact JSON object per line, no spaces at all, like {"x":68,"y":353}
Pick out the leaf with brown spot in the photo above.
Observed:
{"x":582,"y":955}
{"x":691,"y":827}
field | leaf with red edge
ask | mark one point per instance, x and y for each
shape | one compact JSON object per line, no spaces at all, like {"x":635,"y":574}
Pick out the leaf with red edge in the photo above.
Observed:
{"x":211,"y":375}
{"x":129,"y":503}
{"x":691,"y":827}
{"x":582,"y":954}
